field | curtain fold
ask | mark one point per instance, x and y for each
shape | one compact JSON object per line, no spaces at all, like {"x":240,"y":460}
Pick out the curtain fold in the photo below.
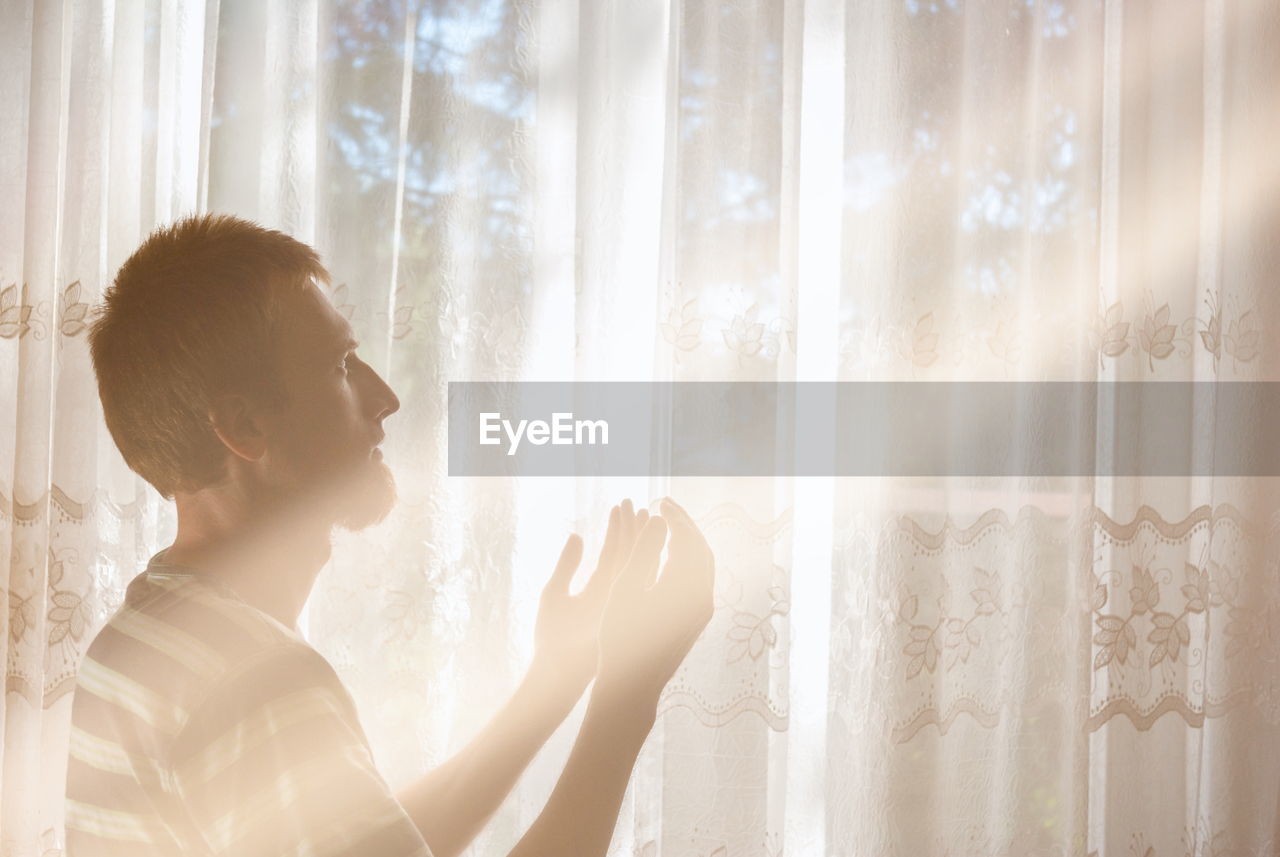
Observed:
{"x":94,"y":150}
{"x":755,"y":190}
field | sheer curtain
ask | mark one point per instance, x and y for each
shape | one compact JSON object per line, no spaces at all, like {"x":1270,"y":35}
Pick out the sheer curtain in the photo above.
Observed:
{"x":658,"y":190}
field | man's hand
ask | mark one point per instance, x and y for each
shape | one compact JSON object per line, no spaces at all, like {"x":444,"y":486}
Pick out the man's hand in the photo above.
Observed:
{"x":646,"y":630}
{"x":648,"y":627}
{"x":451,"y":803}
{"x":568,"y":626}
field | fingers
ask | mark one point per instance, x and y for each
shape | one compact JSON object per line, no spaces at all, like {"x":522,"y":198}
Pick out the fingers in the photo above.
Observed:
{"x":570,"y":556}
{"x":612,"y":538}
{"x":684,"y":532}
{"x":631,"y":525}
{"x":618,"y":540}
{"x":670,"y":506}
{"x":632,"y":521}
{"x":642,"y":566}
{"x":628,"y":518}
{"x":690,"y":562}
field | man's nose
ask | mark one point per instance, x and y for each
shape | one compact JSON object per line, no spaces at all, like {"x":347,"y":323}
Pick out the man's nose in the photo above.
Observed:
{"x":383,"y":399}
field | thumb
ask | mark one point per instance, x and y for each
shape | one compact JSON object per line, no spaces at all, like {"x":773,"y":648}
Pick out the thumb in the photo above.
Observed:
{"x":570,"y":556}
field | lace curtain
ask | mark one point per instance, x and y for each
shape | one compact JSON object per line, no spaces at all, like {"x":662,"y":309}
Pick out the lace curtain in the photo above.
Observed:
{"x":654,"y":190}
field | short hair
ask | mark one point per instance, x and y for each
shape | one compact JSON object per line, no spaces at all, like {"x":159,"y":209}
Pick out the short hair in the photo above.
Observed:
{"x":192,"y":315}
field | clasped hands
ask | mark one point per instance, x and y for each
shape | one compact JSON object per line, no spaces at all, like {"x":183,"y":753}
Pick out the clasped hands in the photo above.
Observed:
{"x":628,"y":627}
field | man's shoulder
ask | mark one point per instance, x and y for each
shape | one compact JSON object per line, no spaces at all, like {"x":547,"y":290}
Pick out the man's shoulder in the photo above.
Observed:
{"x":199,"y":719}
{"x":174,"y":639}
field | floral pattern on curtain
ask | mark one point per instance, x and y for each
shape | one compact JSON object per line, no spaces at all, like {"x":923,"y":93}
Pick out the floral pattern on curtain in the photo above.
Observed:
{"x":757,"y":190}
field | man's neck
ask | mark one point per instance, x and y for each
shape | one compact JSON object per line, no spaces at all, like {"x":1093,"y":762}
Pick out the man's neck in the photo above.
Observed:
{"x":269,"y":559}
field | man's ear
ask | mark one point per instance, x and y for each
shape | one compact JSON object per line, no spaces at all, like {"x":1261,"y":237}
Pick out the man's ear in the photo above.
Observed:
{"x":239,"y":426}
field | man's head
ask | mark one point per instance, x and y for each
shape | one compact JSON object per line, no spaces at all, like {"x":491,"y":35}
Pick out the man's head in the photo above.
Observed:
{"x":221,"y":364}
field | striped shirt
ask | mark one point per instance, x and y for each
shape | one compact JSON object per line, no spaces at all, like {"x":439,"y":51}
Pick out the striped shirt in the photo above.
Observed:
{"x":203,"y":726}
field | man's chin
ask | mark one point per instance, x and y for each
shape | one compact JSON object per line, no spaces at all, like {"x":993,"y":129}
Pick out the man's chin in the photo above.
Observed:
{"x":369,"y":498}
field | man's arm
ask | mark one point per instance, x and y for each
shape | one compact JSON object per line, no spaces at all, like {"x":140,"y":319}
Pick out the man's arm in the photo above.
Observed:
{"x":580,"y":816}
{"x":647,"y":630}
{"x":451,"y":803}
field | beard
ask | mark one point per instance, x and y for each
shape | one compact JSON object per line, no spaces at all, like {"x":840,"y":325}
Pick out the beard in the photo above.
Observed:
{"x":367,"y":498}
{"x":353,"y":497}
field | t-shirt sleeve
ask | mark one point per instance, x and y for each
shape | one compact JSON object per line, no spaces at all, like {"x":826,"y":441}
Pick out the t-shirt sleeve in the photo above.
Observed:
{"x":273,"y":763}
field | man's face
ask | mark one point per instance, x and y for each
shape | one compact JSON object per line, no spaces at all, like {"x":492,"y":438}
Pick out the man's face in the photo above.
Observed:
{"x":322,"y":445}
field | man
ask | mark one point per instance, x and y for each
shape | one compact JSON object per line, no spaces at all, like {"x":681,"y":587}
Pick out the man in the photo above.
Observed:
{"x":202,"y":722}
